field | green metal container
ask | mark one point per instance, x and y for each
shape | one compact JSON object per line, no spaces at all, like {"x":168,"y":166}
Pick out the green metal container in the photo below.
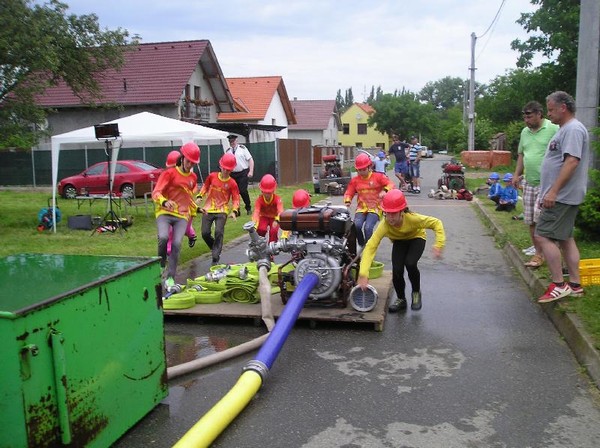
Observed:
{"x":82,"y":352}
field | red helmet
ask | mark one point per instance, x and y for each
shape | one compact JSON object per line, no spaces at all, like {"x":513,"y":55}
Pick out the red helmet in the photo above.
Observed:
{"x":191,"y":152}
{"x":362,"y":161}
{"x":301,"y":199}
{"x":172,"y":158}
{"x":228,"y":162}
{"x":267,"y":184}
{"x":393,"y":201}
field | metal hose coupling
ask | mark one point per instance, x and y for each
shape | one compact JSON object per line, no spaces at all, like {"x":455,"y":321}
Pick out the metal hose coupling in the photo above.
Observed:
{"x":257,"y":247}
{"x":258,"y":367}
{"x":217,"y":275}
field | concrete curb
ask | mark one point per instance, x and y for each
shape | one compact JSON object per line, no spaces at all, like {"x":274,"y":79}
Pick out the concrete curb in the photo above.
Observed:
{"x":568,"y":324}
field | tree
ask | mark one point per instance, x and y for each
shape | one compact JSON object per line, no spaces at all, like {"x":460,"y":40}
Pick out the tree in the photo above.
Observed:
{"x":339,"y":101}
{"x":403,"y":115}
{"x":371,"y":98}
{"x":506,"y":95}
{"x":449,"y":130}
{"x":349,"y":98}
{"x":444,"y":93}
{"x":375,"y":95}
{"x":41,"y":45}
{"x":554,"y":29}
{"x":344,"y":102}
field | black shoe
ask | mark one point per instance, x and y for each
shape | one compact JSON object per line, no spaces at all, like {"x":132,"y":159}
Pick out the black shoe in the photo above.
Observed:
{"x":248,"y":211}
{"x":215,"y":261}
{"x":397,"y":305}
{"x":416,"y":301}
{"x":192,"y":241}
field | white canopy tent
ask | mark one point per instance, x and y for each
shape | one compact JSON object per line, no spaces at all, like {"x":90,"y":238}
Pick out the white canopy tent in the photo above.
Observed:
{"x":134,"y":130}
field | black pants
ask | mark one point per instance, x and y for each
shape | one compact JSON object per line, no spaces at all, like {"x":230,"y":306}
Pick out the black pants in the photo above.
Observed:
{"x":215,"y":244}
{"x":505,"y":207}
{"x":406,"y":254}
{"x":241,"y":179}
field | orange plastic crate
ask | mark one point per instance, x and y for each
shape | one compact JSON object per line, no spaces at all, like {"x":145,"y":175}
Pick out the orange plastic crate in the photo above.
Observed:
{"x":589,"y":270}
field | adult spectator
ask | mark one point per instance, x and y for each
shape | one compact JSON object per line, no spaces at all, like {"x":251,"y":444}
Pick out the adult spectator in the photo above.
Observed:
{"x":563,"y":184}
{"x":398,"y":150}
{"x":534,"y":140}
{"x":414,"y":159}
{"x":244,"y":169}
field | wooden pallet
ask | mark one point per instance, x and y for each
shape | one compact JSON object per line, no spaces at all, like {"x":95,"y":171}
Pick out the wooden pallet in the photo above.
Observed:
{"x":313,"y":314}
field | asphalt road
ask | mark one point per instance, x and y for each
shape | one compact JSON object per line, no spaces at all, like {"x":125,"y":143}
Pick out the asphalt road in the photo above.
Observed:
{"x":479,"y":366}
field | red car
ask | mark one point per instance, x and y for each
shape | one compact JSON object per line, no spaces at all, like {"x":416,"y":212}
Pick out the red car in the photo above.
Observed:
{"x":131,"y":176}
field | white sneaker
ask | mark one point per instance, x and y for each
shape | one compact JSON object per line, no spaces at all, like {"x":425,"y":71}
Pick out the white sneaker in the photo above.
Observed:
{"x":531,"y":253}
{"x":529,"y":249}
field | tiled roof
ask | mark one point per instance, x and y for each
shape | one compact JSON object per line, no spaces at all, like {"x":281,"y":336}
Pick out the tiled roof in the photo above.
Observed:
{"x":153,"y":73}
{"x":366,"y":108}
{"x":312,"y":114}
{"x":253,"y":96}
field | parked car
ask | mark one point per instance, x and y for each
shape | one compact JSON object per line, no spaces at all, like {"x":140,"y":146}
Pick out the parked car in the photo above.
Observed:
{"x":426,"y":152}
{"x":132,"y":177}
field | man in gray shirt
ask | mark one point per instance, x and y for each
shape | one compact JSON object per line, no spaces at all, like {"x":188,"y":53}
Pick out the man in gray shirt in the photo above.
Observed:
{"x":563,"y":184}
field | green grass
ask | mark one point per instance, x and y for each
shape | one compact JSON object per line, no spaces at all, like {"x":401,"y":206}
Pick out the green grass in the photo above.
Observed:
{"x":19,"y":234}
{"x":516,"y":232}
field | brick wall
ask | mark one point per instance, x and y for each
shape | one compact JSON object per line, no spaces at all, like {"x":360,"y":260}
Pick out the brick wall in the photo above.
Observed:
{"x":485,"y":159}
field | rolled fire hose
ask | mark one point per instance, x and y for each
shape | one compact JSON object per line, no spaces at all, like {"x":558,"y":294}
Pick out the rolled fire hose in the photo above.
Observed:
{"x":212,"y":424}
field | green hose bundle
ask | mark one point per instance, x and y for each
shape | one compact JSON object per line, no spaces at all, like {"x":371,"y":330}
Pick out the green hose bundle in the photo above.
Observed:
{"x":241,"y":290}
{"x":179,"y":301}
{"x":207,"y":297}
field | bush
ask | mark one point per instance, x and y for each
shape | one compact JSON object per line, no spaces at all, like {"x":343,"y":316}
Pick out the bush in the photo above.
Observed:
{"x":589,"y":211}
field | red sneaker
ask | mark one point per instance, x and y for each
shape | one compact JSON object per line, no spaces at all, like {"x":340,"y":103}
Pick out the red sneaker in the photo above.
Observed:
{"x":576,"y":291}
{"x":555,"y":292}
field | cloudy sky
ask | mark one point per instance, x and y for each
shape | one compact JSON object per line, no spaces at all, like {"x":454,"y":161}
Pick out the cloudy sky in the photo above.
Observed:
{"x":320,"y":46}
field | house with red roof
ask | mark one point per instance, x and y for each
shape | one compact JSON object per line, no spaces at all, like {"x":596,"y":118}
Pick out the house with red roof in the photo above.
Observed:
{"x":263,"y":110}
{"x":316,"y":120}
{"x":356,"y":130}
{"x":181,"y":80}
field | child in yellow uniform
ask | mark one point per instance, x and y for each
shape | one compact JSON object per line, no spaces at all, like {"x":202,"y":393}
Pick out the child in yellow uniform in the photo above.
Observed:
{"x":406,"y":230}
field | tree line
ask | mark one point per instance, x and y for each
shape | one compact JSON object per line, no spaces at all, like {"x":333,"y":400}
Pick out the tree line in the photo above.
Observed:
{"x":437,"y":111}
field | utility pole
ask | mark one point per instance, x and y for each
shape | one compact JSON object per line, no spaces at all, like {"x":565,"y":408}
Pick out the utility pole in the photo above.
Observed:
{"x":588,"y":65}
{"x":471,"y":143}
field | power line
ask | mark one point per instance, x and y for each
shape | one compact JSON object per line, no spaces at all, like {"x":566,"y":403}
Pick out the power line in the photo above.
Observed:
{"x":490,"y":27}
{"x":494,"y":20}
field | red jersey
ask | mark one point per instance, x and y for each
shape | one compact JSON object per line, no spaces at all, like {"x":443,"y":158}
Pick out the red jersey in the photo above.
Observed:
{"x":219,"y":192}
{"x":271,"y":209}
{"x":179,"y":187}
{"x":368,"y":189}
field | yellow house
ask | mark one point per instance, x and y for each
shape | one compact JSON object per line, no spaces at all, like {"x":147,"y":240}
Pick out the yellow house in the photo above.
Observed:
{"x":355,"y":130}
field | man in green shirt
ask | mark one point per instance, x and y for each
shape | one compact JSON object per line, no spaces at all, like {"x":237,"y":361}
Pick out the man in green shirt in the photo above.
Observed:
{"x":534,"y":140}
